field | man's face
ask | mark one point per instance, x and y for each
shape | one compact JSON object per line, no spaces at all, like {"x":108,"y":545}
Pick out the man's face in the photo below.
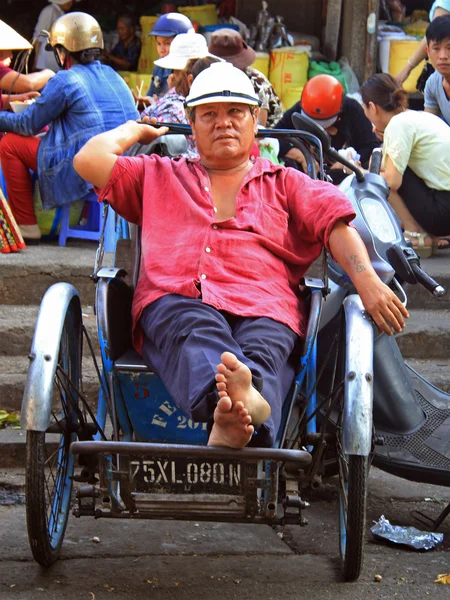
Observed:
{"x":439,"y":55}
{"x":224,"y":132}
{"x":163,"y":45}
{"x":124,"y":30}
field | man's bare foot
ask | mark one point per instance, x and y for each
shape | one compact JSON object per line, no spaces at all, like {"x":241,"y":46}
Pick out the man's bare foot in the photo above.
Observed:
{"x":232,"y":425}
{"x":234,"y":379}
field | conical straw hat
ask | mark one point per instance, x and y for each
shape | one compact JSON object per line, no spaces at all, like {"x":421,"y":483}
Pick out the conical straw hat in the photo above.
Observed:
{"x":11,"y":40}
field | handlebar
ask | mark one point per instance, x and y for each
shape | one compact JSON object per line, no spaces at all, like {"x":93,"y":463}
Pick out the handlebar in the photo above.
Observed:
{"x":261,"y":133}
{"x":428,"y":282}
{"x":375,"y":163}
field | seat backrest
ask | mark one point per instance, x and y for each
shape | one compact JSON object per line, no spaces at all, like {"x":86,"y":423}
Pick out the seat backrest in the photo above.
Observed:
{"x":166,"y":145}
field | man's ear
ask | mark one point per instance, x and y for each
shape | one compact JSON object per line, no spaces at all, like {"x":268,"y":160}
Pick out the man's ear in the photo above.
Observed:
{"x":255,"y":118}
{"x":427,"y":51}
{"x":191,"y":123}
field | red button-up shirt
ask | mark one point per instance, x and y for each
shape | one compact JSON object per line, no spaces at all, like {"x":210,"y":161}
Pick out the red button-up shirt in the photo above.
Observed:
{"x":249,"y":265}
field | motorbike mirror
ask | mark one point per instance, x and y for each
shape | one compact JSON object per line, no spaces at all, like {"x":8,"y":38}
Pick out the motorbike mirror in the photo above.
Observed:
{"x":307,"y":124}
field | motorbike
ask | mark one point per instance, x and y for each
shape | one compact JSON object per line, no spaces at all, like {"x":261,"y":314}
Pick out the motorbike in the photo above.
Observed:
{"x":411,"y":417}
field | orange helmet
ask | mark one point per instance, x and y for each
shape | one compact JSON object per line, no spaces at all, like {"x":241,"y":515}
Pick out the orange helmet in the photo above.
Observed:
{"x":322,"y":99}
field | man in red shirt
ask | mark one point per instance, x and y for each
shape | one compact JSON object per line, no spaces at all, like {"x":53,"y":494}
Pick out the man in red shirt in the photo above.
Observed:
{"x":216,"y":312}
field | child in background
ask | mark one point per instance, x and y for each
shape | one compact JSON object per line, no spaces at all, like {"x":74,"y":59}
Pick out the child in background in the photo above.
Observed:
{"x":437,"y":89}
{"x":165,"y":29}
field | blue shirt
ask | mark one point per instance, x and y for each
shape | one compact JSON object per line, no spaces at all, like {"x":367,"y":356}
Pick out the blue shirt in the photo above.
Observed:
{"x":159,"y":81}
{"x":77,"y":104}
{"x":129,"y":53}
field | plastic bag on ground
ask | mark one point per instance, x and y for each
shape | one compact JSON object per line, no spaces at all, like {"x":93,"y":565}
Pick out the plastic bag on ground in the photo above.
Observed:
{"x":407,"y":536}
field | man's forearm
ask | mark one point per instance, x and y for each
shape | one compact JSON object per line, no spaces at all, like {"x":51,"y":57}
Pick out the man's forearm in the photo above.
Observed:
{"x":383,"y":305}
{"x":350,"y":252}
{"x":96,"y":159}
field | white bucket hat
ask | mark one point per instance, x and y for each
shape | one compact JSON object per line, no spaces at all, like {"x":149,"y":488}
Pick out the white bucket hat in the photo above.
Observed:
{"x":221,"y":82}
{"x":183,"y":48}
{"x":11,"y":40}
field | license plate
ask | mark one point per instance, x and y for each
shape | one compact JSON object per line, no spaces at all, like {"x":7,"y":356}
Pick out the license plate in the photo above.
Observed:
{"x":187,"y":476}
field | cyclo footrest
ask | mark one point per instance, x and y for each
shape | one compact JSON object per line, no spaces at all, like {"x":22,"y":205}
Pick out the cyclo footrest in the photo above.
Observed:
{"x":186,"y":481}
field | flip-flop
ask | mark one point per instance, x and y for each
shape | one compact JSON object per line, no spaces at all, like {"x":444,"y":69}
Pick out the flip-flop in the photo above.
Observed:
{"x":443,"y":243}
{"x":421,"y":249}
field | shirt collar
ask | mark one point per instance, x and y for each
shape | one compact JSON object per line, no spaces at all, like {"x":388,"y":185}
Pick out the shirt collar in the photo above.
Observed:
{"x":260,"y":166}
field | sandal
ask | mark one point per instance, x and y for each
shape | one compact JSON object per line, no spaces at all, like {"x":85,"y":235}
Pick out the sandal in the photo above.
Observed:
{"x":422,"y":249}
{"x":443,"y":243}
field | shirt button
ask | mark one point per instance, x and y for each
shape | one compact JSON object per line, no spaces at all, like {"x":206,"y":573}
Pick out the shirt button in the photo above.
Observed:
{"x":208,"y":249}
{"x":214,"y":226}
{"x":203,"y":276}
{"x":206,"y":188}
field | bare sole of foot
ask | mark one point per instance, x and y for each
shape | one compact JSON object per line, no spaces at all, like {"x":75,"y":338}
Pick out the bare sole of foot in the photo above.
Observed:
{"x":234,"y":379}
{"x":232,"y":425}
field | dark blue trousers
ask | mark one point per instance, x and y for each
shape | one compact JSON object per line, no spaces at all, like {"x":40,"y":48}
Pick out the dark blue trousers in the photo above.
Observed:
{"x":184,"y":339}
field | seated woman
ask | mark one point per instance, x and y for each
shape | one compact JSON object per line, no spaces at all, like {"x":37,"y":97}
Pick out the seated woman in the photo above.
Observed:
{"x":125,"y":54}
{"x":416,"y":161}
{"x":187,"y":58}
{"x":343,"y":118}
{"x":14,"y":85}
{"x":83,"y":99}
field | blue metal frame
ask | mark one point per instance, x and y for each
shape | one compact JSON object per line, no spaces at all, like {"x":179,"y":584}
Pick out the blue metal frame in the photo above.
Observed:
{"x":146,"y":412}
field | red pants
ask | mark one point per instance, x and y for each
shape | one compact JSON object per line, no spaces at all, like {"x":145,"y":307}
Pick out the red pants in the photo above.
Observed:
{"x":18,"y":154}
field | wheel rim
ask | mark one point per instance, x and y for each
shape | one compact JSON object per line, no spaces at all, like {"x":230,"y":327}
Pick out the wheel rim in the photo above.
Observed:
{"x":58,"y":460}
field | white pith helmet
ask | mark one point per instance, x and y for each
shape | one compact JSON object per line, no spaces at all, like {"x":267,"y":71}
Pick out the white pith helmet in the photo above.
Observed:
{"x":221,"y":82}
{"x":185,"y":46}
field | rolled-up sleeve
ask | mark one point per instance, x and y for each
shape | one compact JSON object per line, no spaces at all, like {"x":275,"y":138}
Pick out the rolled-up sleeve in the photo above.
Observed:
{"x":316,"y":206}
{"x":124,"y":190}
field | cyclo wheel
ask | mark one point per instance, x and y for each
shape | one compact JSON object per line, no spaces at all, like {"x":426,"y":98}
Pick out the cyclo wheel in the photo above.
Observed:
{"x":50,"y":464}
{"x":353,"y":483}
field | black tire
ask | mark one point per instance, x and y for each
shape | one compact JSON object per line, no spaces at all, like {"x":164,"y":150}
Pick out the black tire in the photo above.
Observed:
{"x":353,"y":474}
{"x":50,"y":464}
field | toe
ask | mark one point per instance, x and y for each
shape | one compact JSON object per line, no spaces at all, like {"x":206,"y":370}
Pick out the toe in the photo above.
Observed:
{"x":230,"y":361}
{"x":221,"y":387}
{"x":222,"y":369}
{"x":220,"y":377}
{"x":224,"y":405}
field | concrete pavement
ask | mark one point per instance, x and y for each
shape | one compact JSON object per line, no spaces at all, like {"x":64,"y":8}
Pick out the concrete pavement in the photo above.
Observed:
{"x":177,"y":560}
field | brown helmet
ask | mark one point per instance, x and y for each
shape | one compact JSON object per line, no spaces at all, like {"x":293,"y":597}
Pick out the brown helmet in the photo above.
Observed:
{"x":76,"y":31}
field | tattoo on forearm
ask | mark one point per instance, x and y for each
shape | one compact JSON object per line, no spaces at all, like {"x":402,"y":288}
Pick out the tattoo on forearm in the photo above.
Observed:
{"x":358,"y":263}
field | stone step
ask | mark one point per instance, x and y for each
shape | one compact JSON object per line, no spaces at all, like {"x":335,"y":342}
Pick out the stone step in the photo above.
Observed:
{"x":17,"y":324}
{"x":426,"y":335}
{"x":13,"y":373}
{"x":436,"y":371}
{"x":26,"y":275}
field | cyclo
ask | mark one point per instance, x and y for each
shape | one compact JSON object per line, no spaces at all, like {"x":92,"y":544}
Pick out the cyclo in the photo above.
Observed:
{"x":136,"y":455}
